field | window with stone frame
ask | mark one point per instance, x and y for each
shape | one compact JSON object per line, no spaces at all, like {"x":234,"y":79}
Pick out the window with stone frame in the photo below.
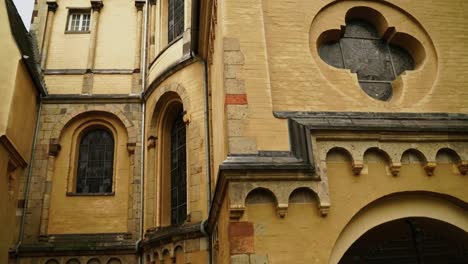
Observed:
{"x":178,"y":171}
{"x":79,"y":20}
{"x":375,"y":61}
{"x":175,"y":19}
{"x":95,"y":162}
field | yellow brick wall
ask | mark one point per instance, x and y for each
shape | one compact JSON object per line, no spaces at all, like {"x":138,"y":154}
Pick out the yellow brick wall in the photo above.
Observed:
{"x":112,"y":83}
{"x":104,"y":214}
{"x":191,"y":90}
{"x":64,"y":84}
{"x":216,"y":74}
{"x":22,"y":120}
{"x":67,"y":51}
{"x":281,"y":74}
{"x":304,"y":226}
{"x":115,"y":48}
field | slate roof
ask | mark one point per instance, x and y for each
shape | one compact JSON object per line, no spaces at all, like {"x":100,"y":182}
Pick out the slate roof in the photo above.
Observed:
{"x":26,"y":44}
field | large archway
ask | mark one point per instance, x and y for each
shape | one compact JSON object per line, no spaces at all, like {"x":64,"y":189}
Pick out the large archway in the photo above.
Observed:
{"x":410,"y":240}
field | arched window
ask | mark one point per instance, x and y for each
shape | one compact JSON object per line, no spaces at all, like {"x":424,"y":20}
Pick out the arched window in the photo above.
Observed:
{"x":95,"y":162}
{"x":175,"y":19}
{"x":178,"y":171}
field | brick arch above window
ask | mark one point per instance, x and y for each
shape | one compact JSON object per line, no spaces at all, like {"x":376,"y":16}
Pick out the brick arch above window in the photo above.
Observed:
{"x":96,"y":110}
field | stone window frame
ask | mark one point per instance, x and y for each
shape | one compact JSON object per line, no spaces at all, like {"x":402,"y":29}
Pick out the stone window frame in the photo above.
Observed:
{"x":161,"y":27}
{"x":397,"y":59}
{"x":176,"y":219}
{"x":82,"y":11}
{"x":74,"y":158}
{"x":177,"y":13}
{"x":159,"y":152}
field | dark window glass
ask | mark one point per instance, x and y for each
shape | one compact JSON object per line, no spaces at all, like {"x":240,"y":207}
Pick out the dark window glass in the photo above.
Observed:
{"x":95,"y":162}
{"x":175,"y":19}
{"x":375,"y":62}
{"x":178,"y":172}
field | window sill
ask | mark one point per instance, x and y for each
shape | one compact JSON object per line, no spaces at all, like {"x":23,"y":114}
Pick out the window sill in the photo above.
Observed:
{"x":166,"y":48}
{"x":77,"y":32}
{"x":90,"y":194}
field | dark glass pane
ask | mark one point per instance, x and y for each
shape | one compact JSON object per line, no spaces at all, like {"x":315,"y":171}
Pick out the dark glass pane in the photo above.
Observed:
{"x":178,"y":171}
{"x":95,"y":163}
{"x":360,"y":29}
{"x":375,"y":62}
{"x":381,"y":91}
{"x":331,"y":54}
{"x":402,"y":60}
{"x":370,"y":59}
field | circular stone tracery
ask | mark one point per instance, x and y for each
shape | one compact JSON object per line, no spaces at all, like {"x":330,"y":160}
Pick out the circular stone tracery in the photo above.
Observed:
{"x":375,"y":61}
{"x":383,"y":48}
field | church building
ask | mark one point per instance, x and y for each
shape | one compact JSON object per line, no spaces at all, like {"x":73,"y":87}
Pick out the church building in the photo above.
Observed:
{"x":234,"y":132}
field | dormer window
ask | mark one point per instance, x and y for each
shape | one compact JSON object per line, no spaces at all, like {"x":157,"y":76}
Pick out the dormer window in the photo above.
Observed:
{"x":79,"y":20}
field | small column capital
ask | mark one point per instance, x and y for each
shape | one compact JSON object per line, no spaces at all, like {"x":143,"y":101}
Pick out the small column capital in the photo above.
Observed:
{"x":131,"y":148}
{"x":54,"y":147}
{"x":139,"y":4}
{"x":152,"y":2}
{"x":152,"y":141}
{"x":96,"y":5}
{"x":52,"y":5}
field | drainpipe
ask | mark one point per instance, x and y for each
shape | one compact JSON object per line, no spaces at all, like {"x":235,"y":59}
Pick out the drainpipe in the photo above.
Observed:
{"x":143,"y":111}
{"x":208,"y":154}
{"x":28,"y":178}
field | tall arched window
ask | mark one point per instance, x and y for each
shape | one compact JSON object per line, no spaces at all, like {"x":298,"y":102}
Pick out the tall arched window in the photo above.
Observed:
{"x":175,"y":19}
{"x":95,"y":162}
{"x":178,"y":171}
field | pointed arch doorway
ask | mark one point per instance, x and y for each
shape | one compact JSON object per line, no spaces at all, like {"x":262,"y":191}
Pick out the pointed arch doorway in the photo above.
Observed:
{"x":411,"y":240}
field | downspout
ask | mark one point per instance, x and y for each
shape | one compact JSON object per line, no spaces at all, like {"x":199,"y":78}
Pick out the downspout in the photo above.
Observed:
{"x":208,"y":153}
{"x":194,"y":48}
{"x":28,"y":178}
{"x":143,"y":112}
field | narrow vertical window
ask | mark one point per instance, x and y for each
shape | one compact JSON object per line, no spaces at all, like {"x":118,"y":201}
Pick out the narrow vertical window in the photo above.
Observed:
{"x":95,"y":162}
{"x":175,"y":19}
{"x":178,"y":172}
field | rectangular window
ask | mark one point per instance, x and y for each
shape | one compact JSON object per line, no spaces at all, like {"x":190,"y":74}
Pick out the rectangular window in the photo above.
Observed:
{"x":79,"y":21}
{"x":175,"y":19}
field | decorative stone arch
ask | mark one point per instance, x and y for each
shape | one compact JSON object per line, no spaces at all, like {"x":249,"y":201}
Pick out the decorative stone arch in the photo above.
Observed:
{"x":176,"y":88}
{"x":114,"y":260}
{"x":168,"y":100}
{"x":396,"y":206}
{"x":281,"y":190}
{"x":109,"y":109}
{"x":75,"y":115}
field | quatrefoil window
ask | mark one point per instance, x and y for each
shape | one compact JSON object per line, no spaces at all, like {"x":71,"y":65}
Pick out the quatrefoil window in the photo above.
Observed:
{"x":375,"y":60}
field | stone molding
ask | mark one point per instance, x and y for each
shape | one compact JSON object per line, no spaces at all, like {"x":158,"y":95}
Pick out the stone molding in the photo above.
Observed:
{"x":96,"y":5}
{"x":241,"y":173}
{"x":15,"y":157}
{"x":52,"y":5}
{"x":79,"y":244}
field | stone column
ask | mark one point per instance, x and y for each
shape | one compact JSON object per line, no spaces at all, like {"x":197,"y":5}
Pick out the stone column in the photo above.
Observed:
{"x":150,"y":192}
{"x":96,"y":6}
{"x":152,"y":30}
{"x":51,"y":8}
{"x":131,"y":222}
{"x":139,"y":4}
{"x":54,"y":149}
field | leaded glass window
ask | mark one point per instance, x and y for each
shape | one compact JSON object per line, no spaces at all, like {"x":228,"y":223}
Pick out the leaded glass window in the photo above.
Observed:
{"x":178,"y":172}
{"x":376,"y":62}
{"x":175,"y":19}
{"x":95,"y":162}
